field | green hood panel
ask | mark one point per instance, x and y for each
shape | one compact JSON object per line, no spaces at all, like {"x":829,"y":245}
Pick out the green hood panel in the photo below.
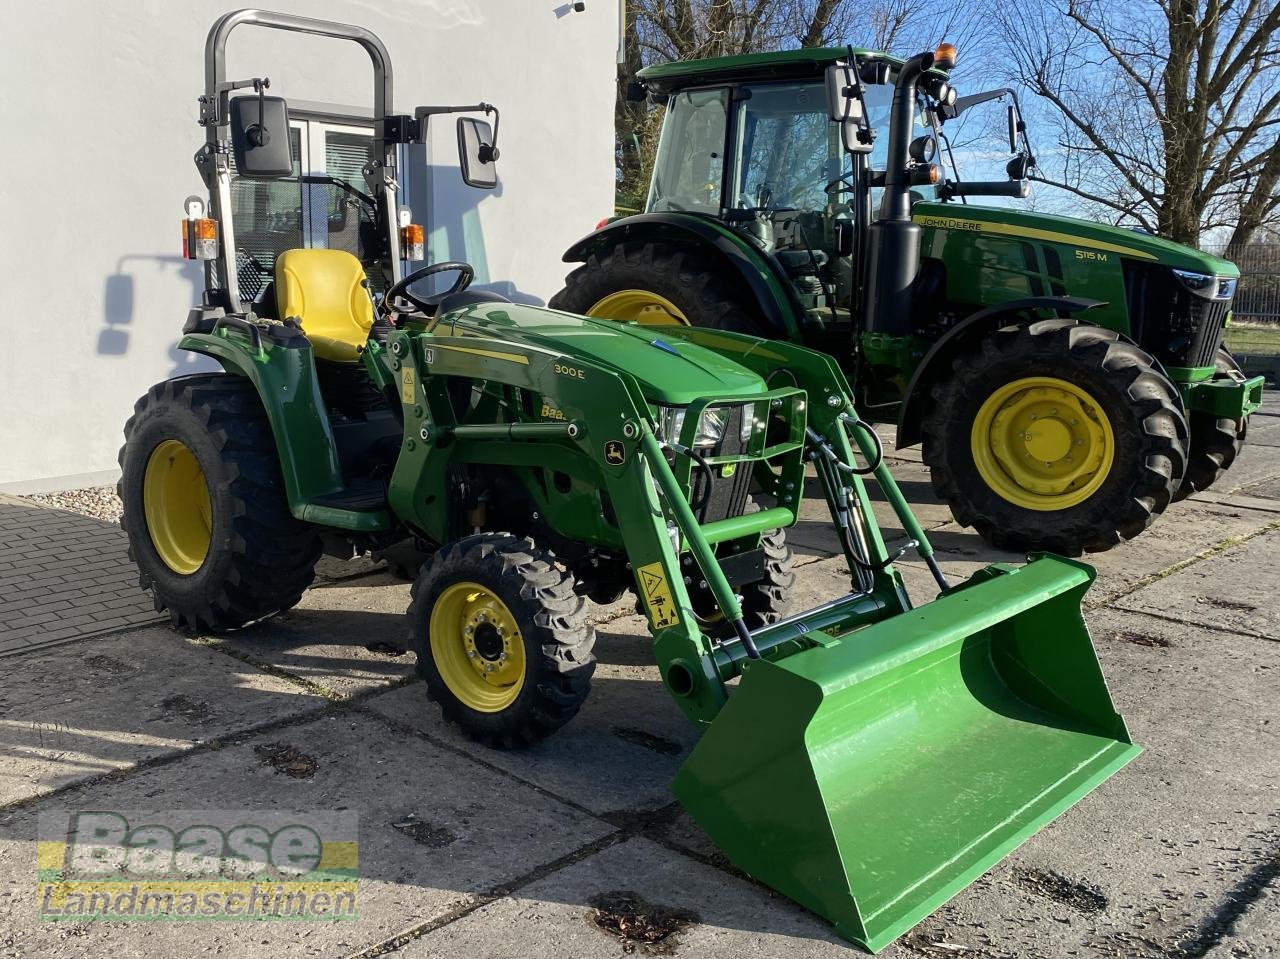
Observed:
{"x":670,"y":370}
{"x":1083,"y":234}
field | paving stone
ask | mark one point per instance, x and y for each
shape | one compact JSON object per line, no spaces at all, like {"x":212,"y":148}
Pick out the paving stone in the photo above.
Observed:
{"x":74,"y":713}
{"x":1257,"y":462}
{"x":64,"y":572}
{"x":554,"y":917}
{"x":1267,"y":489}
{"x":1264,"y":425}
{"x":1186,"y":529}
{"x":1235,"y":590}
{"x":484,"y":829}
{"x":326,"y":638}
{"x":619,"y":753}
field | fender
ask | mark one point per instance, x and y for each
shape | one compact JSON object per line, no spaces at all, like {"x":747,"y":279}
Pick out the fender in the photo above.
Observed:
{"x":945,"y":349}
{"x":769,"y":286}
{"x":286,"y":383}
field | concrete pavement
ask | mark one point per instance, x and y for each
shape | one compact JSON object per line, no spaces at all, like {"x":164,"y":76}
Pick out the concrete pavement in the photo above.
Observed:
{"x":552,"y":851}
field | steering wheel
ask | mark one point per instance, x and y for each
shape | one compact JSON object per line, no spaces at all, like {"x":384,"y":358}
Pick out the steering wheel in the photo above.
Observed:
{"x":427,"y":304}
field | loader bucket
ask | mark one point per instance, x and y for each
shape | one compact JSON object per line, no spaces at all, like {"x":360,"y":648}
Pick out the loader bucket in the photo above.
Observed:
{"x":873,"y":777}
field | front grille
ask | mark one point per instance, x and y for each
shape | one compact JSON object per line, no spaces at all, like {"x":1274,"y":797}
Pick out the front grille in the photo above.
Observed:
{"x":729,"y":493}
{"x":728,"y":496}
{"x":1170,"y":322}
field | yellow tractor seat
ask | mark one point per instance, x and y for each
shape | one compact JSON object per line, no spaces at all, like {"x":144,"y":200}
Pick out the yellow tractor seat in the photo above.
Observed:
{"x":327,"y":292}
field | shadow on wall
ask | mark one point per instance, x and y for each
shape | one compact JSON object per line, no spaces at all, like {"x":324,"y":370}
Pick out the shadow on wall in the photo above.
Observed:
{"x":119,"y":304}
{"x":454,"y":231}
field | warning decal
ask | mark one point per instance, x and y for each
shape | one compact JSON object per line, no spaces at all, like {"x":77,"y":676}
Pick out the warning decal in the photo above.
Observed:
{"x":657,"y":596}
{"x":406,"y":385}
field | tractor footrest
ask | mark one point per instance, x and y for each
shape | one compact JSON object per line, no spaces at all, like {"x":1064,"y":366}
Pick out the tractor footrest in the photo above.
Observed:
{"x":367,"y":496}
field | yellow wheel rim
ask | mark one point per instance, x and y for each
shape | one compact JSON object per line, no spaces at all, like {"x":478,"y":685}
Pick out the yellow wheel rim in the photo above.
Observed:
{"x":1042,"y":443}
{"x":175,"y":500}
{"x":639,"y":306}
{"x":477,"y":647}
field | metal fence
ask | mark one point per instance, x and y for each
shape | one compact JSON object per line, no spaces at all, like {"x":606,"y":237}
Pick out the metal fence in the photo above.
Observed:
{"x":1258,"y":296}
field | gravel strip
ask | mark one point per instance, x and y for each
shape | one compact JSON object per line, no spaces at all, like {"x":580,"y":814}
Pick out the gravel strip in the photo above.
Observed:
{"x":100,"y":502}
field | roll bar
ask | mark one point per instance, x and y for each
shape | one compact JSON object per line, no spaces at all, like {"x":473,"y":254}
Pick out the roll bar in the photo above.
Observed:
{"x":215,"y":48}
{"x":380,"y":175}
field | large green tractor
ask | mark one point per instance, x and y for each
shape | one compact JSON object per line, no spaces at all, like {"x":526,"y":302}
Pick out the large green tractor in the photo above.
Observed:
{"x":1066,"y":378}
{"x":866,"y":757}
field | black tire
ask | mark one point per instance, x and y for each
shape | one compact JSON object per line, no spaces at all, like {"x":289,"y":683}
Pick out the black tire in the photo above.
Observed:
{"x":1216,"y":441}
{"x":260,"y":559}
{"x":1142,"y":406}
{"x":692,"y":279}
{"x":557,"y":640}
{"x":764,"y":600}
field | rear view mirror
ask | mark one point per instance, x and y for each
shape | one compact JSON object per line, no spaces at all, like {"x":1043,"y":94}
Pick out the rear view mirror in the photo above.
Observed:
{"x":477,"y":154}
{"x":840,"y":96}
{"x":846,"y":106}
{"x":260,"y":136}
{"x":1012,"y":116}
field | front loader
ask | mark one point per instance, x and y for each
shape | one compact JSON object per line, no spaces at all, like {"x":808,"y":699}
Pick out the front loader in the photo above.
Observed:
{"x":867,"y":758}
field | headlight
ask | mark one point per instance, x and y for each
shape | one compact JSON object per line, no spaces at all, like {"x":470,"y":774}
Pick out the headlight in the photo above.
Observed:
{"x":1203,"y":283}
{"x":671,"y":422}
{"x":710,"y":428}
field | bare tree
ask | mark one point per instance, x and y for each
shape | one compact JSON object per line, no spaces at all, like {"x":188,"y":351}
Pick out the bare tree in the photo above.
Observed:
{"x":1167,"y":111}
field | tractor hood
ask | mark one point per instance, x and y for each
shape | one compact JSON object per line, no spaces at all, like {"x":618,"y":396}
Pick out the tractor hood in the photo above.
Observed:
{"x":1082,"y":234}
{"x":670,"y":370}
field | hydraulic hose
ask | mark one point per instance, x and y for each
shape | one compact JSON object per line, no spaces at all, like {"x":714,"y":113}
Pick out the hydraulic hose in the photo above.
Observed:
{"x":707,"y":471}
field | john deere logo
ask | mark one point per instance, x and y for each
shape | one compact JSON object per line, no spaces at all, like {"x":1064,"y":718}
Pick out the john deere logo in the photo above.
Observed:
{"x":615,"y":454}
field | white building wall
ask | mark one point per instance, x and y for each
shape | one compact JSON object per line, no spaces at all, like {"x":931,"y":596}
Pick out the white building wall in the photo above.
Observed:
{"x":97,"y":131}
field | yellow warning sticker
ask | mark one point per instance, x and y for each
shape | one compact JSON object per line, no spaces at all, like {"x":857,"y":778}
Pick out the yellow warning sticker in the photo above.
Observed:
{"x":657,"y":596}
{"x":406,"y":385}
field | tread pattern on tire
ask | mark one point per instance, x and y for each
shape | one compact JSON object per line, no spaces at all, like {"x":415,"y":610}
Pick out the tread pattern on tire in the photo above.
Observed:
{"x":1215,"y":441}
{"x":557,"y":684}
{"x":1120,"y":509}
{"x":689,"y":277}
{"x":261,"y":559}
{"x":764,"y":600}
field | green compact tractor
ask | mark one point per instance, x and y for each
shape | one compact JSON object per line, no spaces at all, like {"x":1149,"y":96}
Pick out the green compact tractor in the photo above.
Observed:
{"x":1066,"y":378}
{"x":867,"y":757}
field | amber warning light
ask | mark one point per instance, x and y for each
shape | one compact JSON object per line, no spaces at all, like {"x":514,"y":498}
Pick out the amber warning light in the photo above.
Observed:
{"x":199,"y":232}
{"x":413,"y":245}
{"x":200,"y":239}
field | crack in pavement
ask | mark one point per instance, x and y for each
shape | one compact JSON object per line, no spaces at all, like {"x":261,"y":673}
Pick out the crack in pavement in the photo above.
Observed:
{"x":478,"y":901}
{"x":1181,"y":621}
{"x":1178,"y":567}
